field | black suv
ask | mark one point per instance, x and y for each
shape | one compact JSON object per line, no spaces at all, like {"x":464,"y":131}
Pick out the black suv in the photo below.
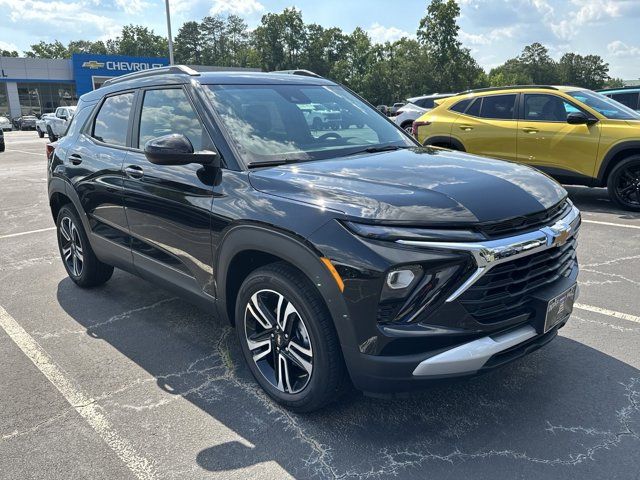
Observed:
{"x":348,"y":257}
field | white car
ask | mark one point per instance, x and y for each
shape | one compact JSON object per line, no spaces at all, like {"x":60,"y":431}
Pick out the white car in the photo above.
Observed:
{"x":5,"y":124}
{"x":56,"y":125}
{"x":414,"y":109}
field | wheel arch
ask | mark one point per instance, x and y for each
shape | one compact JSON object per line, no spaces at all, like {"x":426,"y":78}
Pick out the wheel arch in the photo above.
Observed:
{"x":247,"y":247}
{"x":60,"y":193}
{"x":445,"y":141}
{"x":616,"y":154}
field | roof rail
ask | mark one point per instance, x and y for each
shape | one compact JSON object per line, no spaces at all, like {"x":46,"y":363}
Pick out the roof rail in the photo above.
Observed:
{"x":301,"y":72}
{"x":178,"y":69}
{"x":510,"y":87}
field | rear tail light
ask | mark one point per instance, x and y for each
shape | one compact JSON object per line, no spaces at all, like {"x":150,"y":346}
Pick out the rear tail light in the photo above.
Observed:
{"x":49,"y":148}
{"x":417,"y":125}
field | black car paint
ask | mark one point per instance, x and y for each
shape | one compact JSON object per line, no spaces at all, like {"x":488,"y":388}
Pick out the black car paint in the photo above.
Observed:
{"x":184,"y":227}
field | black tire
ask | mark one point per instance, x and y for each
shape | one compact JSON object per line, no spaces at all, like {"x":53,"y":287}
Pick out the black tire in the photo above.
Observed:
{"x":50,"y":134}
{"x":72,"y":241}
{"x":623,"y":184}
{"x":40,"y":133}
{"x":327,"y":377}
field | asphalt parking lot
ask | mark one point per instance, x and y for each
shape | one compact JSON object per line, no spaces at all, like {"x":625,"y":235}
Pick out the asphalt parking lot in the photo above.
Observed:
{"x":127,"y":381}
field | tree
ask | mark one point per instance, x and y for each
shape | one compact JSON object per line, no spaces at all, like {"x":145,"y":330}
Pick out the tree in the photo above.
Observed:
{"x":541,"y":68}
{"x":588,"y":71}
{"x":85,"y":46}
{"x":512,"y":72}
{"x":453,"y":66}
{"x":189,"y":44}
{"x":136,"y":40}
{"x":614,"y":83}
{"x":48,"y":50}
{"x":8,"y":53}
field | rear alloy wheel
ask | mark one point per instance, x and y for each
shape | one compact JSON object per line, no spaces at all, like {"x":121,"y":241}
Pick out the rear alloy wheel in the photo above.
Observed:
{"x":624,"y":183}
{"x":288,"y":338}
{"x":408,"y":127}
{"x":40,"y":132}
{"x":81,"y":264}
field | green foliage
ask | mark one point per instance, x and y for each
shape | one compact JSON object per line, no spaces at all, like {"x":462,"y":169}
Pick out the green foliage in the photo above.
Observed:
{"x":588,"y":71}
{"x":8,"y":53}
{"x":48,"y":50}
{"x":614,"y":83}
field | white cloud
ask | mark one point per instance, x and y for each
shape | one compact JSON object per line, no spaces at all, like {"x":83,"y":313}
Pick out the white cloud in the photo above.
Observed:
{"x":618,"y":48}
{"x":8,"y":46}
{"x":382,"y":34}
{"x":74,"y":15}
{"x":494,"y":35}
{"x":132,"y":6}
{"x":236,"y":7}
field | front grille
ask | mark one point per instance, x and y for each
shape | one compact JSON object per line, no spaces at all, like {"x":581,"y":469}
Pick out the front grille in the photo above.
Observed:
{"x":505,"y":291}
{"x":528,"y":222}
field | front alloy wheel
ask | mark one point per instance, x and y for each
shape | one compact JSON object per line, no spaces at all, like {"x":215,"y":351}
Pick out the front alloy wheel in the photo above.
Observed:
{"x":624,"y":184}
{"x":71,"y":247}
{"x":279,"y":341}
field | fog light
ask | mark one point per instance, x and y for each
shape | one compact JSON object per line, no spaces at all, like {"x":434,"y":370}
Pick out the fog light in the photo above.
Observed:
{"x":400,"y":279}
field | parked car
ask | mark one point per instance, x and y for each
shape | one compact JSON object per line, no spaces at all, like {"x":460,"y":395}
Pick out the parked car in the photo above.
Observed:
{"x":361,"y":259}
{"x":415,"y":107}
{"x":629,"y":96}
{"x":41,"y":124}
{"x":578,"y":136}
{"x":26,"y":122}
{"x":2,"y":147}
{"x":5,"y":124}
{"x":56,"y":125}
{"x":393,"y":110}
{"x":322,"y":117}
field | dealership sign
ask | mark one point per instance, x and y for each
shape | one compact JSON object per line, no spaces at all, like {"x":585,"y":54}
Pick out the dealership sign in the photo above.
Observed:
{"x":122,"y":66}
{"x":92,"y":69}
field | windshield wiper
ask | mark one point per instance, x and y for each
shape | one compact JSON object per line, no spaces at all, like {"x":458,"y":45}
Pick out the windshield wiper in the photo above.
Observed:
{"x":377,"y":149}
{"x":274,"y":163}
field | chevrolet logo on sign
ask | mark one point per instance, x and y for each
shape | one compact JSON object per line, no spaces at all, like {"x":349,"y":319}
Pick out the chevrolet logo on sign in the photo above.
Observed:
{"x":93,"y":65}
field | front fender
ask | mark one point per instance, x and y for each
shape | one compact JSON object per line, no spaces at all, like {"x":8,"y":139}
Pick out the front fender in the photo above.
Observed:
{"x":293,"y":250}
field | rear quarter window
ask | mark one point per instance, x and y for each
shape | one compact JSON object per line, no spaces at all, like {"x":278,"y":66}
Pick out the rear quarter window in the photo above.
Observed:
{"x":461,"y":106}
{"x":112,"y":121}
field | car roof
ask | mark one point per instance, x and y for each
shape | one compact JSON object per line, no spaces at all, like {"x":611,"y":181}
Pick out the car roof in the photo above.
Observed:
{"x":433,"y":95}
{"x":633,"y":89}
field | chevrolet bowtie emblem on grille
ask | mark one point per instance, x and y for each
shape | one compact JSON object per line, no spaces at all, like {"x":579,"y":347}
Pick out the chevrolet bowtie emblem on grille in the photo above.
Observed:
{"x":93,"y":65}
{"x":560,"y":234}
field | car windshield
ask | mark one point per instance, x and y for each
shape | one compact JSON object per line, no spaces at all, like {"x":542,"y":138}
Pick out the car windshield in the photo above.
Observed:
{"x":270,"y":123}
{"x":605,"y":105}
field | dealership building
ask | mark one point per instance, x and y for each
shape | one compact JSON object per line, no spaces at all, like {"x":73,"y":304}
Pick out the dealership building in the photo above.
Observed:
{"x":33,"y":86}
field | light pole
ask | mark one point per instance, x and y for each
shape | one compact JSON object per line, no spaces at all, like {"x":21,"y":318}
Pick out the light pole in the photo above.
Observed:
{"x":169,"y":33}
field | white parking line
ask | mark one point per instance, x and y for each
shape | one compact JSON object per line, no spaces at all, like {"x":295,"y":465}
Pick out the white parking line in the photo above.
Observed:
{"x":85,"y":406}
{"x":611,"y":224}
{"x":610,"y":313}
{"x":10,"y":235}
{"x":24,"y":151}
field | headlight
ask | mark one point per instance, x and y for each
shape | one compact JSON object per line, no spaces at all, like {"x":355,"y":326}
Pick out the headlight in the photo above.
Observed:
{"x":392,"y":233}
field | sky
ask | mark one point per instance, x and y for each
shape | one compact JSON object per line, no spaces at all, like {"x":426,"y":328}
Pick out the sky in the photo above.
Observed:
{"x":494,"y":30}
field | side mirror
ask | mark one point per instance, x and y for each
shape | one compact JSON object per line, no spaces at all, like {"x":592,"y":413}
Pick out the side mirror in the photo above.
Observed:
{"x":580,"y":118}
{"x":176,"y":149}
{"x":63,"y":116}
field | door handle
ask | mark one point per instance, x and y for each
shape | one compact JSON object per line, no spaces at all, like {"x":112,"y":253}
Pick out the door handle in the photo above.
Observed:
{"x":530,"y":130}
{"x":134,"y":171}
{"x":75,"y":158}
{"x":466,"y":128}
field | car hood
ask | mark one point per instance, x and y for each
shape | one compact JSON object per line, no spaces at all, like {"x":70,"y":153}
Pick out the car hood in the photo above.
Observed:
{"x":421,"y":186}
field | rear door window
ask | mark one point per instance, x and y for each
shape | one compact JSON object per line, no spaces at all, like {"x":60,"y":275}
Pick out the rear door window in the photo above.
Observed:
{"x":499,"y":107}
{"x":112,"y":121}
